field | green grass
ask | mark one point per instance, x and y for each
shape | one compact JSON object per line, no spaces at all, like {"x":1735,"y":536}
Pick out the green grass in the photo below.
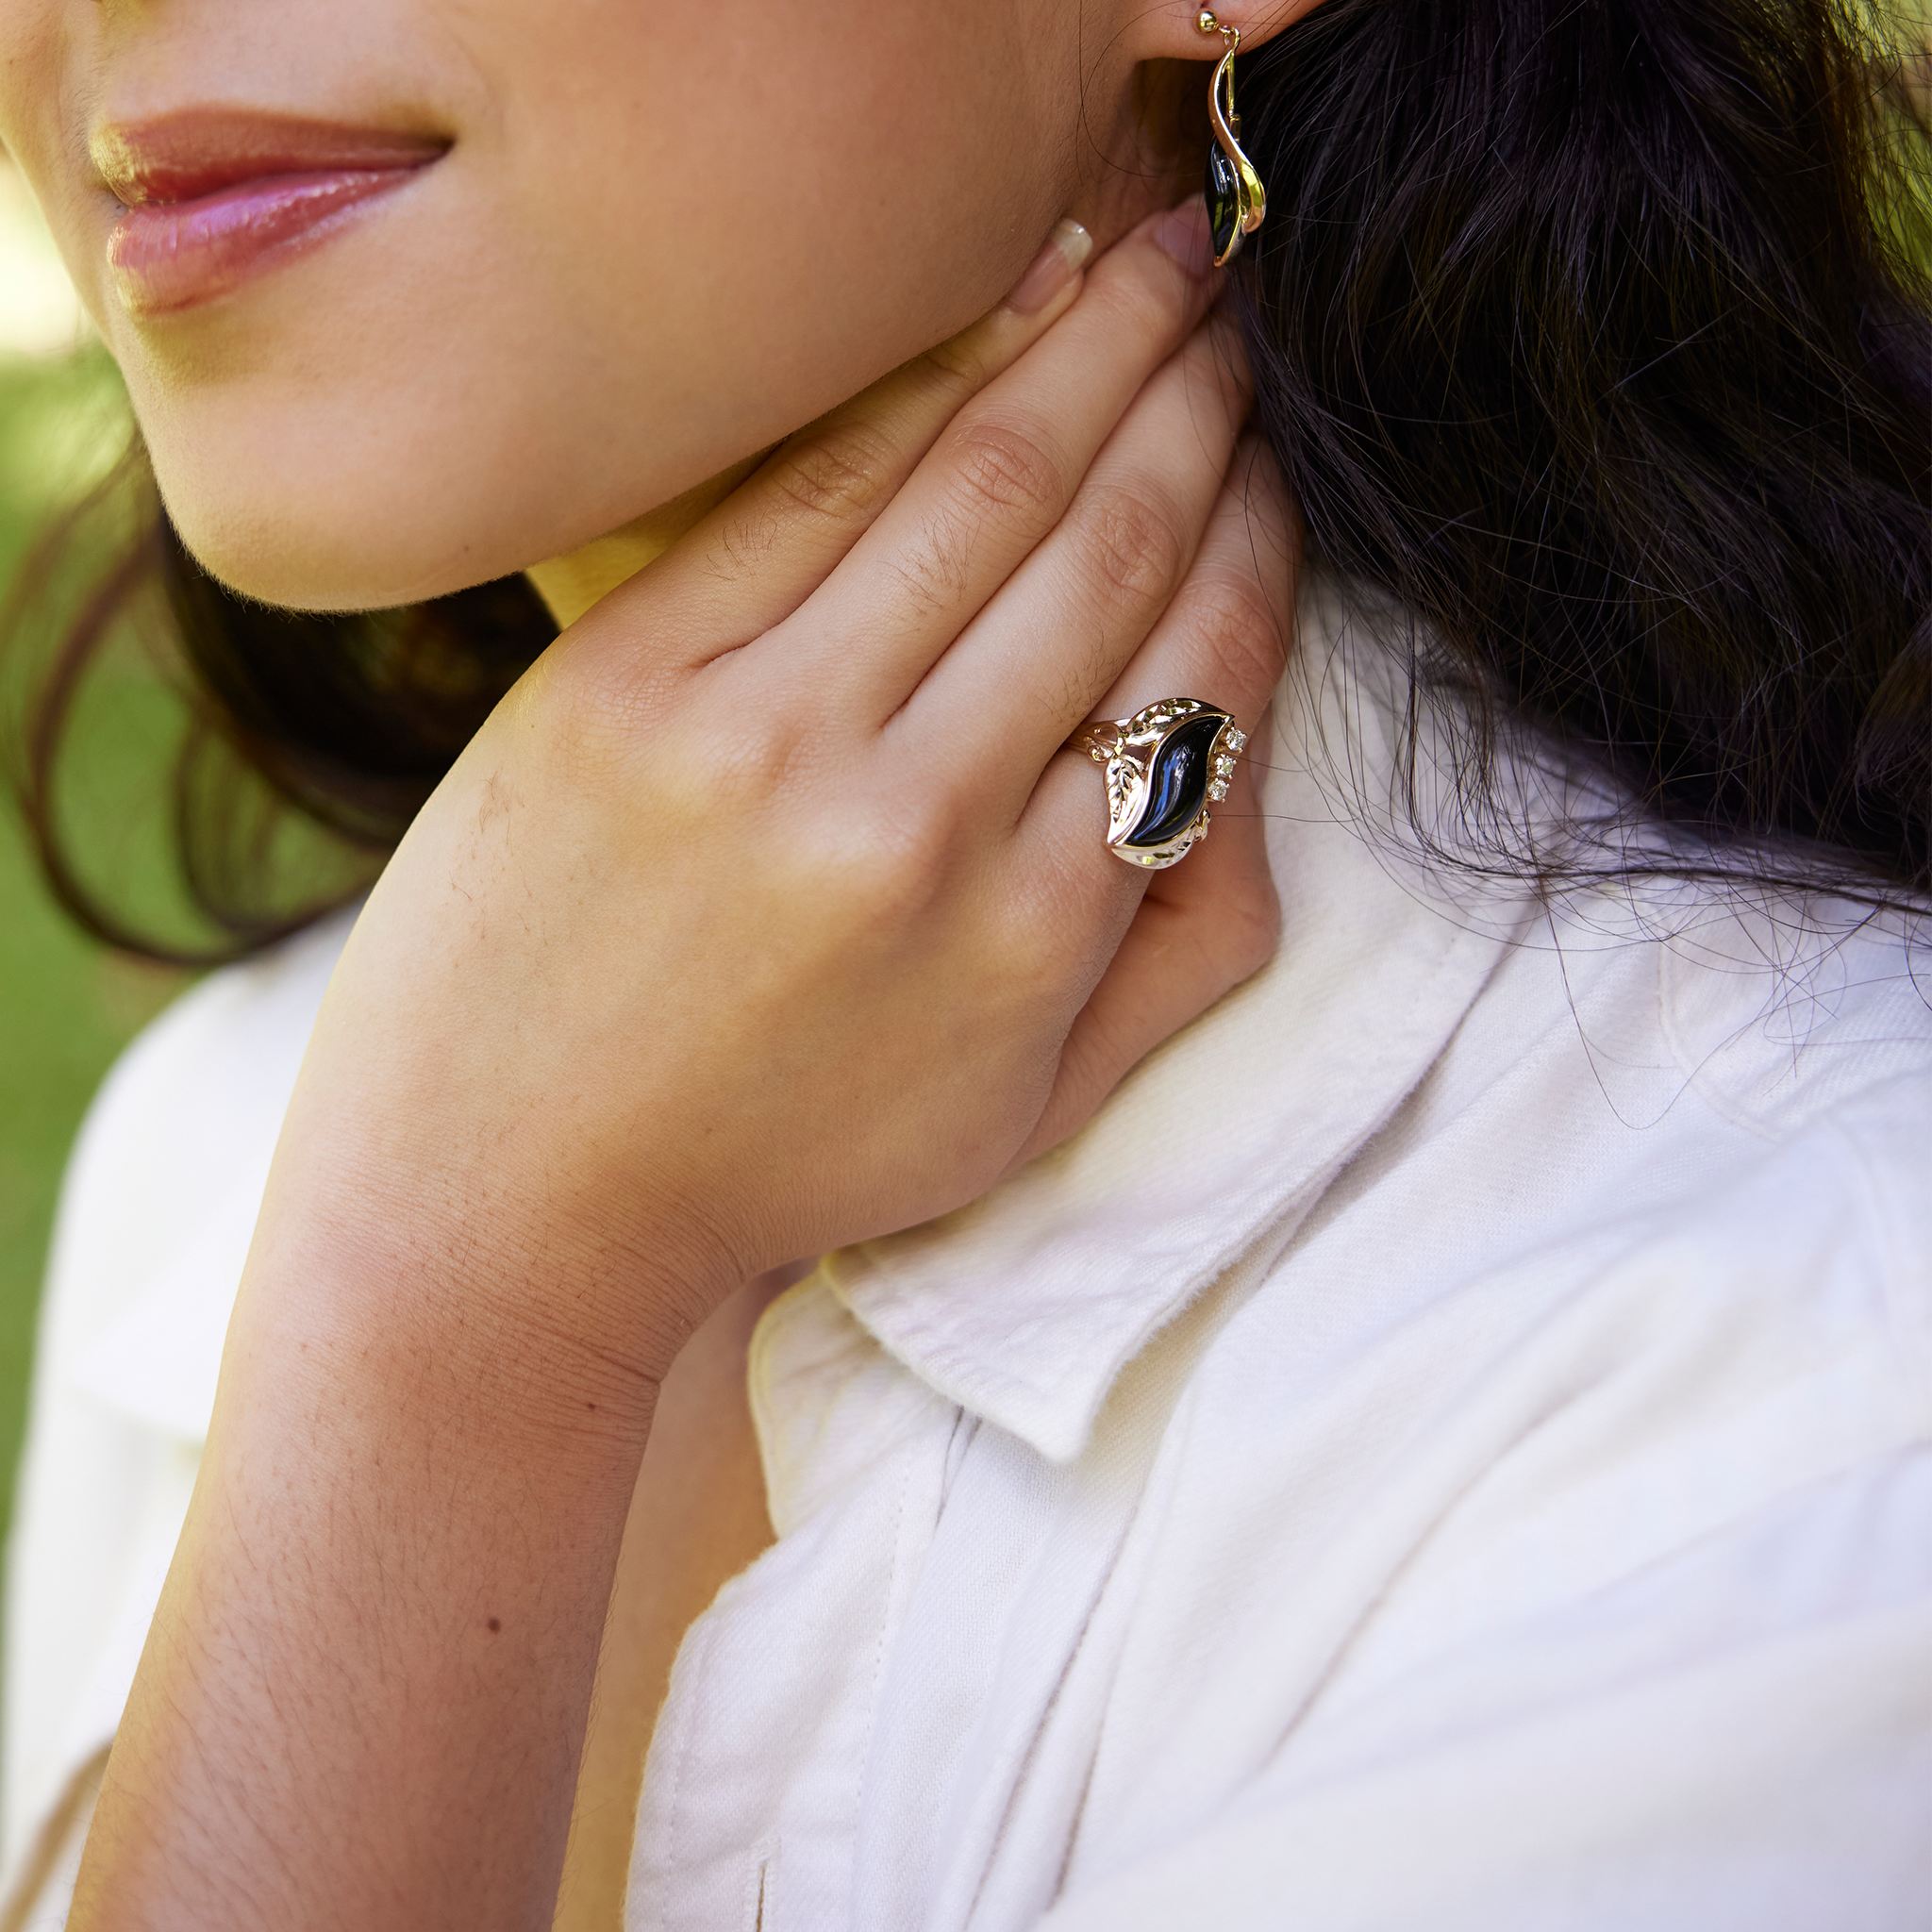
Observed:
{"x":67,"y":1007}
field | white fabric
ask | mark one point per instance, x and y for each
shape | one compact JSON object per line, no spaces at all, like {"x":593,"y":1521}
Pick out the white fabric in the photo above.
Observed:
{"x":1446,"y":1447}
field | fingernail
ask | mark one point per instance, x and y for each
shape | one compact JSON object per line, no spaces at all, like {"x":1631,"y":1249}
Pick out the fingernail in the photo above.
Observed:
{"x":1184,"y":233}
{"x":1056,"y":265}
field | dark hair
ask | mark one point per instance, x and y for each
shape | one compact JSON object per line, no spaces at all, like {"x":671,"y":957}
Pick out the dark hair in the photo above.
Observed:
{"x":1595,"y":333}
{"x":343,"y":723}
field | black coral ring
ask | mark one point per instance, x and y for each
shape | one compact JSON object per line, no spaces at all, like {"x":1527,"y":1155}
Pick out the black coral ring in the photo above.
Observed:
{"x":1165,"y":765}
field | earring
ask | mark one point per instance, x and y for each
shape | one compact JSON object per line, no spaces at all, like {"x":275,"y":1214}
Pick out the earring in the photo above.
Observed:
{"x":1237,"y":201}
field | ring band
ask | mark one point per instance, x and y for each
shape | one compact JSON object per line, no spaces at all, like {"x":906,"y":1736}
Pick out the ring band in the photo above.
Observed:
{"x":1164,"y":766}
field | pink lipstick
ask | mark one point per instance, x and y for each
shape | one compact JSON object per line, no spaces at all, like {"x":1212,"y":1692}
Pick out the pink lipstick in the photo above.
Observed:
{"x":214,"y":197}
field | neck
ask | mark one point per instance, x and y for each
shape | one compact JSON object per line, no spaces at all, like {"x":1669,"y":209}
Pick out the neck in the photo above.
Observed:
{"x":570,"y":584}
{"x":1150,"y":176}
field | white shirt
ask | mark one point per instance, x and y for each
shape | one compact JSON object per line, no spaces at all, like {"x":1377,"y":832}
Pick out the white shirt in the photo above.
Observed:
{"x":1446,"y":1446}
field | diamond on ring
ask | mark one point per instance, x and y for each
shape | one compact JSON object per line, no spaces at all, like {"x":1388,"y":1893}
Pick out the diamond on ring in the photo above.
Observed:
{"x":1165,"y":765}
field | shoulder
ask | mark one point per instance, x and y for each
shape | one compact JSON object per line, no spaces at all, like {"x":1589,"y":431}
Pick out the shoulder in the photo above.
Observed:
{"x":1719,"y":1105}
{"x":1815,"y":1043}
{"x":174,"y":1150}
{"x":187,"y":1105}
{"x":1559,"y":1508}
{"x":1780,"y":1012}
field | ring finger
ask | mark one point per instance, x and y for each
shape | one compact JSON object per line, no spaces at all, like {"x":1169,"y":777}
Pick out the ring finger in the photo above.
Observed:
{"x":1032,"y":664}
{"x":1003,"y":475}
{"x":1222,"y":639}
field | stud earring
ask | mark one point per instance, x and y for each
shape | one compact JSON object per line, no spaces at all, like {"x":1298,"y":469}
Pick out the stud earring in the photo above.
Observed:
{"x":1237,"y":201}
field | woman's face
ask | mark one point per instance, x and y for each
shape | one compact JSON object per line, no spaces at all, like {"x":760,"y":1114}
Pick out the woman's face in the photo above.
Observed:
{"x":543,"y":264}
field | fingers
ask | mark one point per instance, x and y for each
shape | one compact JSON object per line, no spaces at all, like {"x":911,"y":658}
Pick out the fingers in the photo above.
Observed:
{"x":774,"y":540}
{"x":1004,"y":471}
{"x":1188,"y":943}
{"x":1064,"y":627}
{"x":1224,"y":639}
{"x":1206,"y":924}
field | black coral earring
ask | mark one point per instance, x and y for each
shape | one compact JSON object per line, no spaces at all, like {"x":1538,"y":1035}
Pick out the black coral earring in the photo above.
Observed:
{"x":1237,"y":201}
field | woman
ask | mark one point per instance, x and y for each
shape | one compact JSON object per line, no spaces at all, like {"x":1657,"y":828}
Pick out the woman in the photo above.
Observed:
{"x":1422,"y":1424}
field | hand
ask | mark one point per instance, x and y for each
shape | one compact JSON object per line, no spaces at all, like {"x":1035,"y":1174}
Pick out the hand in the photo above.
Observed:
{"x":767,"y":913}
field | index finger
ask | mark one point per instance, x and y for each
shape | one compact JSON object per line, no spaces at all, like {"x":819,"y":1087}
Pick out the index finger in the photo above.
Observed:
{"x":756,"y":559}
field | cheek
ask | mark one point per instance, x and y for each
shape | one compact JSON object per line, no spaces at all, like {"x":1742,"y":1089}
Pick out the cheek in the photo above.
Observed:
{"x":785,"y":200}
{"x":656,"y":247}
{"x":29,"y":74}
{"x":38,"y":120}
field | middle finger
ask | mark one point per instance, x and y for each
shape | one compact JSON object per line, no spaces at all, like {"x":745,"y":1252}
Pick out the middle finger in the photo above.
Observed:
{"x":1003,"y":475}
{"x":1032,"y":664}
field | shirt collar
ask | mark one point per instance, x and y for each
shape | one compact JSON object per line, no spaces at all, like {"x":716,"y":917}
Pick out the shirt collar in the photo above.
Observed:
{"x":1025,"y":1306}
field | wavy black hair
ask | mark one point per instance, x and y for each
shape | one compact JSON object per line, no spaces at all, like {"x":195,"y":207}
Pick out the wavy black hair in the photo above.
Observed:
{"x":1597,"y":333}
{"x":1594,"y":335}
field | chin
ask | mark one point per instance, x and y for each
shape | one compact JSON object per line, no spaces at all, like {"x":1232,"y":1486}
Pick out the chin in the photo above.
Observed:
{"x":286,"y":520}
{"x":319,"y":498}
{"x":311,"y":558}
{"x":316,"y":535}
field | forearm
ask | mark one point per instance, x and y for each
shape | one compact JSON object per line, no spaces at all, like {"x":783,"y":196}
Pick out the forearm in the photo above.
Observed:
{"x":364,"y":1694}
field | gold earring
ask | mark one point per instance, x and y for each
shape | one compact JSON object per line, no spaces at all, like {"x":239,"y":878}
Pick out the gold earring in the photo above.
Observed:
{"x":1237,"y":201}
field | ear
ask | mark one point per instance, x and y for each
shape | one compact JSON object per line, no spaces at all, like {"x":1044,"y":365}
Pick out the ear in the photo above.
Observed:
{"x":1173,"y":30}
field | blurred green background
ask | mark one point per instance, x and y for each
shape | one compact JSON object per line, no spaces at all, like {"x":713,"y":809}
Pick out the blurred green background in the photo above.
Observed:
{"x":67,"y":1006}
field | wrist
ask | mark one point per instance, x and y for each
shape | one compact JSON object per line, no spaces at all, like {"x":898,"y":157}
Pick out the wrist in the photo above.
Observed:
{"x":505,"y":1270}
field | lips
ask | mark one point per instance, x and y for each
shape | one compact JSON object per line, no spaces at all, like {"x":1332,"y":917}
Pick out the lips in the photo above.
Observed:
{"x":213,"y":199}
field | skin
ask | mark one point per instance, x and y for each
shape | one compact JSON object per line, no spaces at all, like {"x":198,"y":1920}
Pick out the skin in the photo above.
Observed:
{"x":585,"y":200}
{"x":780,"y":832}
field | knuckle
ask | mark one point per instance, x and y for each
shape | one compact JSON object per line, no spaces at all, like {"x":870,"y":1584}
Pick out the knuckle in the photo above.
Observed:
{"x":1253,"y":916}
{"x":953,"y":371}
{"x":1135,"y":541}
{"x":1006,"y":472}
{"x":1243,"y":925}
{"x":593,"y":699}
{"x":1251,"y":948}
{"x":885,"y":867}
{"x":842,"y":475}
{"x":932,"y":573}
{"x":1143,"y":307}
{"x":1232,"y":939}
{"x":716,"y":761}
{"x":1237,"y":630}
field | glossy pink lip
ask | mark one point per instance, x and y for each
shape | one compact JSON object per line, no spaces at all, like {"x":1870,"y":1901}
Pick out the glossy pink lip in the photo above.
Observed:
{"x":215,"y":197}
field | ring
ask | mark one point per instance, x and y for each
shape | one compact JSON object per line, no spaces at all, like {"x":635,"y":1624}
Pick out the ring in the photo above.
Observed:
{"x":1164,"y":766}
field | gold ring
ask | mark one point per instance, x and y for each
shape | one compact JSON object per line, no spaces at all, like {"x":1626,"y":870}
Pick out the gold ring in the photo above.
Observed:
{"x":1165,"y":765}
